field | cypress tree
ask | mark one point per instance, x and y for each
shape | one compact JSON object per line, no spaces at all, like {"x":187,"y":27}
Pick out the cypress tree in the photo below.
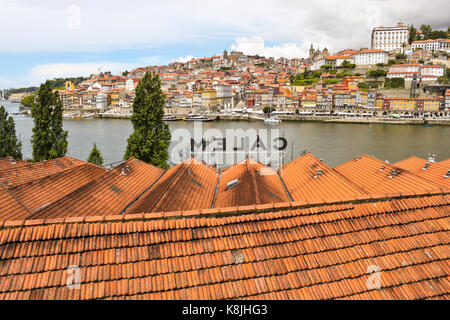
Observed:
{"x":10,"y":146}
{"x":95,"y":157}
{"x":49,"y":139}
{"x":150,"y":140}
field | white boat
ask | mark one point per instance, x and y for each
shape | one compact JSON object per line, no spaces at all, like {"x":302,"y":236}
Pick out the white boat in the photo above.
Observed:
{"x":272,"y":120}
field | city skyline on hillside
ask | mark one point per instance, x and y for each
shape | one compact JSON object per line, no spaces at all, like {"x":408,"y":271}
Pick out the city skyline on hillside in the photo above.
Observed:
{"x":73,"y":40}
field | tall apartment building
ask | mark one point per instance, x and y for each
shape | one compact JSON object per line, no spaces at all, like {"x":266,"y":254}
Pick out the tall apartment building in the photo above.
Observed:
{"x":390,"y":38}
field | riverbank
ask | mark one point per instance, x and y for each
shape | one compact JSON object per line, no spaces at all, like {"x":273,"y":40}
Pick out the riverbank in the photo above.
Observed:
{"x":333,"y":142}
{"x":297,"y":118}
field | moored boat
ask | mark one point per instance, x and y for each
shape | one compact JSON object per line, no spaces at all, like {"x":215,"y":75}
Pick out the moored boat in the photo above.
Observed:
{"x":272,"y":120}
{"x":198,"y":118}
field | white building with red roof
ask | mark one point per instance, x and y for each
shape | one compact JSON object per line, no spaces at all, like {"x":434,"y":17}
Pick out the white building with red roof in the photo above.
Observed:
{"x":371,"y":57}
{"x":390,"y":38}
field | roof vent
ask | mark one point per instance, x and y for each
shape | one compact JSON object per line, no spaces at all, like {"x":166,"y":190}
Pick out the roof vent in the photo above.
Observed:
{"x":123,"y":172}
{"x":12,"y":161}
{"x":382,"y":168}
{"x":312,"y":166}
{"x":319,"y":173}
{"x":197,"y":183}
{"x":431,"y":158}
{"x":232,"y":184}
{"x":427,"y":165}
{"x":447,"y":175}
{"x":128,"y":168}
{"x":393,"y":173}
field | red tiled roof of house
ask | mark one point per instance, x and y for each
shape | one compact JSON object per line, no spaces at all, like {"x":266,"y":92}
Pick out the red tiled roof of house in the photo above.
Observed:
{"x":295,"y":252}
{"x":191,"y":185}
{"x":432,"y":171}
{"x":256,"y":184}
{"x":110,"y":194}
{"x":11,"y":163}
{"x":43,"y":192}
{"x":10,"y":206}
{"x":371,"y":51}
{"x":445,"y":163}
{"x":377,"y":178}
{"x":304,"y":182}
{"x":24,"y":173}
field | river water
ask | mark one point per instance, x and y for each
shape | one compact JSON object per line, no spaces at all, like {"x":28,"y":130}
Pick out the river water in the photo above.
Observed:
{"x":335,"y":143}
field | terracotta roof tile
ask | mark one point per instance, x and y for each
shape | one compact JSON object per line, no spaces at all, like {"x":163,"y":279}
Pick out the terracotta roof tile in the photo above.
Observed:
{"x":43,"y":192}
{"x":435,"y":172}
{"x":109,"y":194}
{"x":11,"y":207}
{"x":309,"y":179}
{"x":11,"y":163}
{"x":445,"y":163}
{"x":254,"y":184}
{"x":313,"y":253}
{"x":26,"y":172}
{"x":378,"y":178}
{"x":190,"y":185}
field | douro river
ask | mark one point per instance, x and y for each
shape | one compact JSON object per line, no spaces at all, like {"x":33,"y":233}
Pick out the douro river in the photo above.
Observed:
{"x":333,"y":142}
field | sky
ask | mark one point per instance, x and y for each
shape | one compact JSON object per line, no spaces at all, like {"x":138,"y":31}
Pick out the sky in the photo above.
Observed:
{"x":45,"y":39}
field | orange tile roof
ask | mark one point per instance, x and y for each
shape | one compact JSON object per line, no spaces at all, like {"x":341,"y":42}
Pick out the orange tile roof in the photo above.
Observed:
{"x":304,"y":182}
{"x":371,"y":51}
{"x":110,"y":194}
{"x":257,"y":184}
{"x":445,"y":163}
{"x":321,"y":252}
{"x":32,"y":171}
{"x":378,"y":178}
{"x":191,"y":185}
{"x":10,"y":206}
{"x":8,"y":163}
{"x":429,"y":170}
{"x":36,"y":194}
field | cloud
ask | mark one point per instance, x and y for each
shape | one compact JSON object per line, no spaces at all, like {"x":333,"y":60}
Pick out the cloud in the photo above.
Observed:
{"x":255,"y":45}
{"x":185,"y":59}
{"x":86,"y":25}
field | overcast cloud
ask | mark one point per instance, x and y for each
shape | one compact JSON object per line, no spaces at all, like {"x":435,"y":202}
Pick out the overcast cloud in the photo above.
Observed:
{"x":272,"y":28}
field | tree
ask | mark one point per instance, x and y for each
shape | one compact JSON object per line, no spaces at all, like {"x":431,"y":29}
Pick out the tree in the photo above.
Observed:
{"x":268,"y":109}
{"x":345,"y":64}
{"x":10,"y":146}
{"x":95,"y":157}
{"x":412,"y":34}
{"x":28,"y":101}
{"x":438,"y":34}
{"x":150,"y":140}
{"x":426,"y":29}
{"x":377,"y":73}
{"x":49,"y":140}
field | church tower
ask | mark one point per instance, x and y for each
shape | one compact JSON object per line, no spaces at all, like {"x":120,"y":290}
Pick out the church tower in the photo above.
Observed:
{"x":311,"y":54}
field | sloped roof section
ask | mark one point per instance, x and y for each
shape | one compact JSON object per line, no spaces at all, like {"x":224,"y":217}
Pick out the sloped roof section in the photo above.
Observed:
{"x":24,"y":173}
{"x":249,"y":183}
{"x":10,"y":207}
{"x":378,"y":178}
{"x":110,"y":194}
{"x":11,"y":163}
{"x":390,"y":249}
{"x":191,"y":185}
{"x":445,"y":163}
{"x":432,"y":171}
{"x":37,"y":194}
{"x":309,"y":179}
